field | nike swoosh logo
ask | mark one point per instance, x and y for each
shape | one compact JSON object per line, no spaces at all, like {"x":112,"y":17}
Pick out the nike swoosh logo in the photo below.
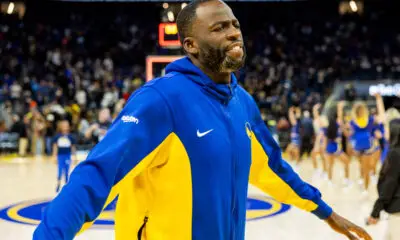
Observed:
{"x":199,"y":134}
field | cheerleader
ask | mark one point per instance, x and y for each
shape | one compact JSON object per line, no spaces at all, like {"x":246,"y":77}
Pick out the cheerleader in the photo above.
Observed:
{"x":362,"y":139}
{"x":333,"y":143}
{"x":294,"y":147}
{"x":318,"y":144}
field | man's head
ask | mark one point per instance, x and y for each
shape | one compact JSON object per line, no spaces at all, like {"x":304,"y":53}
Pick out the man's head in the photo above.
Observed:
{"x":306,"y":114}
{"x":211,"y":36}
{"x":104,"y":115}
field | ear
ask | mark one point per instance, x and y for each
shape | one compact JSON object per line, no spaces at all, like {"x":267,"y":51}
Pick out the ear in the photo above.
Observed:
{"x":191,"y":46}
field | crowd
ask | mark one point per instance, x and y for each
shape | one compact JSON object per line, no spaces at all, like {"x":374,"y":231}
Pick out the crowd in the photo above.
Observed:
{"x":75,"y":68}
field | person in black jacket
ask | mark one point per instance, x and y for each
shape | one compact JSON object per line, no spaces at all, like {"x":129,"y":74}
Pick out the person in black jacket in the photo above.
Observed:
{"x":389,"y":185}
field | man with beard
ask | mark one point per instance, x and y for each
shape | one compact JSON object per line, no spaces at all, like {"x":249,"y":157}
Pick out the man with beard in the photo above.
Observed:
{"x":181,"y":153}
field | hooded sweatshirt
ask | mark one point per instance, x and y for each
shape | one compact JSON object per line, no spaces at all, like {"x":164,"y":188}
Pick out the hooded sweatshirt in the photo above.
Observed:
{"x":179,"y":157}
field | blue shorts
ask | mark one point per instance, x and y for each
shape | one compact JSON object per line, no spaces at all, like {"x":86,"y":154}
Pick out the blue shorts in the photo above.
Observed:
{"x":373,"y":148}
{"x":295,"y":142}
{"x":333,"y":148}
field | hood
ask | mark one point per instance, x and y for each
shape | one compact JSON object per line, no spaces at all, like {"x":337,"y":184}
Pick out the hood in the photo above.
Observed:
{"x":223,"y":92}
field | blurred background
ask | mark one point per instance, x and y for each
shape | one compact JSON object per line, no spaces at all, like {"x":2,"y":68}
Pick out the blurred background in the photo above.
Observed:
{"x":72,"y":58}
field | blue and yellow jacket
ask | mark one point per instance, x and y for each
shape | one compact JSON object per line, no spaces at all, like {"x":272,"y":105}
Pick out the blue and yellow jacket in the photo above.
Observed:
{"x":179,"y":157}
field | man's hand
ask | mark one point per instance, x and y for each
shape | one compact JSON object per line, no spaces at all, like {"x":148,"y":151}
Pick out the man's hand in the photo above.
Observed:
{"x":347,"y":228}
{"x":372,"y":221}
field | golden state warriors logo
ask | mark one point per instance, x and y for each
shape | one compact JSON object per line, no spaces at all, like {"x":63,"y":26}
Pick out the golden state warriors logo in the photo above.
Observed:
{"x":30,"y":212}
{"x":64,"y":142}
{"x":248,"y":129}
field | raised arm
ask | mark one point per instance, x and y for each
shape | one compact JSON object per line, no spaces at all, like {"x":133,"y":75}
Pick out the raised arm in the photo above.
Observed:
{"x":292,"y":116}
{"x":380,"y":108}
{"x":316,"y":115}
{"x":340,"y":107}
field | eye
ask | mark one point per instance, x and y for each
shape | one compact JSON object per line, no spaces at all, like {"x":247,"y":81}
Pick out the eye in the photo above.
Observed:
{"x":218,"y":28}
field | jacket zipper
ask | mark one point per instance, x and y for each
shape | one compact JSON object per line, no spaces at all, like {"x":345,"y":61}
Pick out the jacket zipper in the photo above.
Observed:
{"x":140,"y":232}
{"x":231,"y":137}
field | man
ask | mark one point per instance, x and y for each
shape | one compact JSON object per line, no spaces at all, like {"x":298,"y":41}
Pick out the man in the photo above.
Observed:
{"x":182,"y":151}
{"x":307,"y":133}
{"x":98,"y":130}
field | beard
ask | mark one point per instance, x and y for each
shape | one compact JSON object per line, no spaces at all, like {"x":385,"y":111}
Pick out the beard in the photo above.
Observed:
{"x":218,"y":61}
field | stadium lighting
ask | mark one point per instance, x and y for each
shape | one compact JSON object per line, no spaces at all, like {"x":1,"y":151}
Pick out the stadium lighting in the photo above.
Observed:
{"x":165,"y":5}
{"x":353,"y":6}
{"x":10,"y":8}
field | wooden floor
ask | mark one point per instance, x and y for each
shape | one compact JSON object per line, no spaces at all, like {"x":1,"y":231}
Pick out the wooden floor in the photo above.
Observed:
{"x":29,"y":181}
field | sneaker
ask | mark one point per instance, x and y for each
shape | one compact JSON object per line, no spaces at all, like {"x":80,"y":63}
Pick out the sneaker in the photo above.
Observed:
{"x":325,"y":176}
{"x":360,"y":181}
{"x":374,"y":179}
{"x":316,"y":174}
{"x":364,"y":193}
{"x":331,"y":184}
{"x":347,"y":182}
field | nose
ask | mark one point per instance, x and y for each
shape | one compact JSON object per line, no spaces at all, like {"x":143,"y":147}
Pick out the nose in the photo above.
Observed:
{"x":234,"y":34}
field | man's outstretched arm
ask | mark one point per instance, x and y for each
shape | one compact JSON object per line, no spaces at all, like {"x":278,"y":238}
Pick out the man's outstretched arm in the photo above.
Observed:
{"x":127,"y":149}
{"x":270,"y":173}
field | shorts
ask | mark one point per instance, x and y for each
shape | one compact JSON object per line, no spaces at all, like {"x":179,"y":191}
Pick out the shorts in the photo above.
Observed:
{"x":295,"y":143}
{"x":333,"y":148}
{"x":373,"y":149}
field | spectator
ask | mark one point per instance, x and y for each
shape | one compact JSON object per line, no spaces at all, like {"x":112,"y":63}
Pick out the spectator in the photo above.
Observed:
{"x":98,"y":130}
{"x":38,"y":130}
{"x":20,"y":127}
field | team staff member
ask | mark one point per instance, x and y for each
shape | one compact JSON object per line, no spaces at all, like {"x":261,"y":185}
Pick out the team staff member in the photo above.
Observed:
{"x":389,"y":185}
{"x":182,"y":151}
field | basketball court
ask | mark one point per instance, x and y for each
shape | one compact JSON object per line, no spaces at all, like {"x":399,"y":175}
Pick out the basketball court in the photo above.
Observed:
{"x":28,"y":184}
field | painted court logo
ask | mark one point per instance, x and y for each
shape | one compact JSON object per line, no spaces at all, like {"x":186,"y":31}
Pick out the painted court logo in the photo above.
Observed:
{"x":30,"y":212}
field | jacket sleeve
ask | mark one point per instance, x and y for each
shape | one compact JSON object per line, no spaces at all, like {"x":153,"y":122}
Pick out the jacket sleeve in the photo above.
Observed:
{"x":270,"y":173}
{"x":128,"y":147}
{"x":388,"y":183}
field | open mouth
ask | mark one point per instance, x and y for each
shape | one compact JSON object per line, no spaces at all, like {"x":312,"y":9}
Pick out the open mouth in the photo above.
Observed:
{"x":235,"y":50}
{"x":236,"y":46}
